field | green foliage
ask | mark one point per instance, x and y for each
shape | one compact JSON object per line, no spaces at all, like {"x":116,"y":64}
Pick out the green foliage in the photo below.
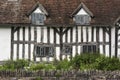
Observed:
{"x":85,"y":60}
{"x":41,"y":66}
{"x":64,"y":64}
{"x":106,"y":63}
{"x":38,"y":78}
{"x":13,"y":65}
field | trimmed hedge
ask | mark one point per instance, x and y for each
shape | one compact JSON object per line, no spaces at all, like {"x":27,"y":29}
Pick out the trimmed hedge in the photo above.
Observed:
{"x":85,"y":61}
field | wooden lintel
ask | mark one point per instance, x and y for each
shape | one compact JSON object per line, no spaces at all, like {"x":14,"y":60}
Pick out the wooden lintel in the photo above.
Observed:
{"x":65,"y":30}
{"x":16,"y":29}
{"x":56,"y":30}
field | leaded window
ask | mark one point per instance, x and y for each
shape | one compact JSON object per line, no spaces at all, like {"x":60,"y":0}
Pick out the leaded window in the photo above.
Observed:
{"x":37,"y":18}
{"x":89,"y":48}
{"x":67,"y":49}
{"x":44,"y":51}
{"x":82,"y":19}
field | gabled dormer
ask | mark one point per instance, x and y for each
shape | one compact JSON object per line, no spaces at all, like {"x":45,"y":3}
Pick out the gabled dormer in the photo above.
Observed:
{"x":82,"y":15}
{"x":38,"y":15}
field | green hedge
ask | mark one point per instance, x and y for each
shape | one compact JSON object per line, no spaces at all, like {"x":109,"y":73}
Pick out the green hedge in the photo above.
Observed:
{"x":85,"y":61}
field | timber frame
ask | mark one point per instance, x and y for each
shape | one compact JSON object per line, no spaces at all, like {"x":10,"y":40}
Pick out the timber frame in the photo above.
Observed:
{"x":61,"y":31}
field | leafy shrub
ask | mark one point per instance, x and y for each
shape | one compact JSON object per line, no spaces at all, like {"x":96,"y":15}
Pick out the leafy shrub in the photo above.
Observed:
{"x":41,"y":66}
{"x":106,"y":63}
{"x":64,"y":64}
{"x":84,"y":60}
{"x":18,"y":64}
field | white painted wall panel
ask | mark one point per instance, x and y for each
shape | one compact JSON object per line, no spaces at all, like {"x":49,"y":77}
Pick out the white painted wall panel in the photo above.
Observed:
{"x":79,"y":34}
{"x":32,"y":33}
{"x":39,"y":34}
{"x":45,"y":35}
{"x":57,"y":38}
{"x":94,"y":34}
{"x":74,"y":34}
{"x":15,"y":52}
{"x":68,"y":36}
{"x":5,"y":42}
{"x":89,"y":34}
{"x":51,"y":36}
{"x":84,"y":34}
{"x":58,"y":53}
{"x":21,"y":33}
{"x":26,"y":34}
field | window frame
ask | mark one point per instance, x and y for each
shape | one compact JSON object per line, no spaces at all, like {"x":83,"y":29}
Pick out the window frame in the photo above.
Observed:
{"x":82,"y":19}
{"x":67,"y":49}
{"x":35,"y":18}
{"x":86,"y":48}
{"x":44,"y":54}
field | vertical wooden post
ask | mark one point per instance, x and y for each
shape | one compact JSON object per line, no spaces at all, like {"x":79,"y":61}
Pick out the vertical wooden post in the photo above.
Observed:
{"x":92,"y":34}
{"x":61,"y":42}
{"x":71,"y":40}
{"x":55,"y":44}
{"x":35,"y":40}
{"x":104,"y":40}
{"x":12,"y":43}
{"x":29,"y":45}
{"x":110,"y":42}
{"x":23,"y":48}
{"x":42,"y":37}
{"x":66,"y":40}
{"x":76,"y":40}
{"x":97,"y":38}
{"x":18,"y":38}
{"x":48,"y":35}
{"x":81,"y":34}
{"x":116,"y":41}
{"x":48,"y":40}
{"x":87,"y":34}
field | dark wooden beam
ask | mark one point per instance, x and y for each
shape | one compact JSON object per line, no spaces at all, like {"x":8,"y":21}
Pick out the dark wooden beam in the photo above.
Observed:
{"x":66,"y":30}
{"x":71,"y":40}
{"x":29,"y":45}
{"x":12,"y":43}
{"x":104,"y":40}
{"x":18,"y":38}
{"x":81,"y":34}
{"x":87,"y":34}
{"x":76,"y":40}
{"x":92,"y":34}
{"x":35,"y":40}
{"x":61,"y":42}
{"x":23,"y":48}
{"x":42,"y":34}
{"x":48,"y":34}
{"x":56,"y":30}
{"x":97,"y":38}
{"x":110,"y":42}
{"x":116,"y":41}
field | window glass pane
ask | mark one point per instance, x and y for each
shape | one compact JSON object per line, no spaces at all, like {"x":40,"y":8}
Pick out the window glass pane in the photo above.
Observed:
{"x":89,"y":48}
{"x":37,"y":18}
{"x":82,"y":19}
{"x":67,"y":49}
{"x":44,"y":51}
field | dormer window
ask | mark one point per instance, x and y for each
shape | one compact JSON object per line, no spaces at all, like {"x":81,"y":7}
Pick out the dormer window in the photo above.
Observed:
{"x":37,"y":18}
{"x":82,"y":15}
{"x":37,"y":14}
{"x":82,"y":19}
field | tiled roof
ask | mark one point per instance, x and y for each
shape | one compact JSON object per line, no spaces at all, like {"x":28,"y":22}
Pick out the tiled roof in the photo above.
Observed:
{"x":105,"y":12}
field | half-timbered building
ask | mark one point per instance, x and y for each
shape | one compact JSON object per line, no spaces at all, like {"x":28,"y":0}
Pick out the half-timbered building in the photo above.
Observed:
{"x":40,"y":30}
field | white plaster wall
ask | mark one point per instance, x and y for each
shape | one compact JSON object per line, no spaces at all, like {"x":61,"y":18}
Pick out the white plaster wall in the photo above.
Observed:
{"x":113,"y":41}
{"x":5,"y":40}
